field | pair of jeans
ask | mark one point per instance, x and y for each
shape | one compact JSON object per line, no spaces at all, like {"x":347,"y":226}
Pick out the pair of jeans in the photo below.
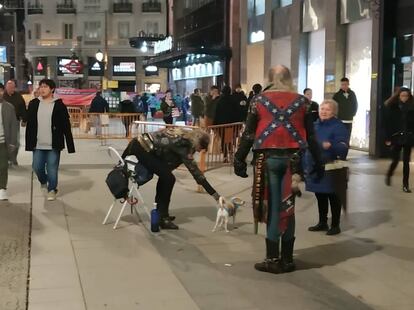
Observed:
{"x":4,"y":165}
{"x":166,"y":178}
{"x":46,"y":165}
{"x":324,"y":200}
{"x":395,"y":155}
{"x":276,"y":168}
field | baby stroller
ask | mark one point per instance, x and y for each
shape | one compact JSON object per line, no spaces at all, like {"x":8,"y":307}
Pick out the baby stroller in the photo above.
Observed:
{"x":124,"y":181}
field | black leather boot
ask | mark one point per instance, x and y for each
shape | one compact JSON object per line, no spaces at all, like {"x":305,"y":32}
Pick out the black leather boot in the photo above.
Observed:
{"x":166,"y":223}
{"x":286,"y":262}
{"x":321,"y":226}
{"x":271,"y":262}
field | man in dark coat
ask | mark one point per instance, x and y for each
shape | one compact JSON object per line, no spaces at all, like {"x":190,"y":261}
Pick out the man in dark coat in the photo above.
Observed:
{"x":197,"y":107}
{"x":240,"y":100}
{"x":307,"y":92}
{"x":227,"y":108}
{"x":16,"y":99}
{"x":347,"y":104}
{"x":98,"y":105}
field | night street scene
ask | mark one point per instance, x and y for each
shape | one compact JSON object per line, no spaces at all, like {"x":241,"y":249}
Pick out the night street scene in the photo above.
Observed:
{"x":206,"y":154}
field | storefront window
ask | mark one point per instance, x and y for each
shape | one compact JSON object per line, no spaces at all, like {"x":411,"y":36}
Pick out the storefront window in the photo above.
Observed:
{"x":358,"y":70}
{"x":316,"y":64}
{"x":280,"y":3}
{"x":256,"y":7}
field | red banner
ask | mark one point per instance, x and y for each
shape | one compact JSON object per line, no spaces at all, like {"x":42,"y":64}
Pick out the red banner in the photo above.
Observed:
{"x":73,"y":96}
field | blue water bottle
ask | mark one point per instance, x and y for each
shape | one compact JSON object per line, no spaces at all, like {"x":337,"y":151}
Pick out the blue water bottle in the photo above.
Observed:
{"x":155,"y":219}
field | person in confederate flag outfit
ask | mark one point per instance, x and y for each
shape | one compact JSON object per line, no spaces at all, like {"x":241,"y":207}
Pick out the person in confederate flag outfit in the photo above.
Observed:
{"x":279,"y":126}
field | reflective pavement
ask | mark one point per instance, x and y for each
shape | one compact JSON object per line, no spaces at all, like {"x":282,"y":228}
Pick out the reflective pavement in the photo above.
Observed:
{"x":77,"y":263}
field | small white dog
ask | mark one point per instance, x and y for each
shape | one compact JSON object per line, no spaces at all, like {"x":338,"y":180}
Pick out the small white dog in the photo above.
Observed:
{"x":222,"y":218}
{"x":225,"y":210}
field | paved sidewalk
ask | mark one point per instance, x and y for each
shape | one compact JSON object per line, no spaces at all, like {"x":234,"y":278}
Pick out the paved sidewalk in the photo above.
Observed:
{"x":77,"y":263}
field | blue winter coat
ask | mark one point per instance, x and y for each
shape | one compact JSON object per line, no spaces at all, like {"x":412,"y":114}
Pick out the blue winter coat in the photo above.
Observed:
{"x":333,"y":131}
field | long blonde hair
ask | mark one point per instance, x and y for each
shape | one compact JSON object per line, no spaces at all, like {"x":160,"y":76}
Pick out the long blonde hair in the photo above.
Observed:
{"x":280,"y":78}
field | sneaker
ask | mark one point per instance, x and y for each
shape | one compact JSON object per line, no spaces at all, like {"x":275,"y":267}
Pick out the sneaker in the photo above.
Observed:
{"x":51,"y":196}
{"x":406,"y":189}
{"x":3,"y":194}
{"x":166,"y":223}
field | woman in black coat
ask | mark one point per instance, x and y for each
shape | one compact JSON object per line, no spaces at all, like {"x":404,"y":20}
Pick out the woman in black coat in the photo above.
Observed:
{"x":399,"y":132}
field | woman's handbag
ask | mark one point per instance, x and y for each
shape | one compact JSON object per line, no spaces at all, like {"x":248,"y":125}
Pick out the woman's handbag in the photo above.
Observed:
{"x":338,"y":171}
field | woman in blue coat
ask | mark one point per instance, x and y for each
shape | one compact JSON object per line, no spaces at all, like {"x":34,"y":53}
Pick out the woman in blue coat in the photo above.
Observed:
{"x":333,"y":139}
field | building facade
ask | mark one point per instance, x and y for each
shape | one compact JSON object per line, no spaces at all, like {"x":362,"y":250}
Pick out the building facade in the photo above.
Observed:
{"x":13,"y":64}
{"x":63,"y":38}
{"x":321,"y":42}
{"x":202,"y":47}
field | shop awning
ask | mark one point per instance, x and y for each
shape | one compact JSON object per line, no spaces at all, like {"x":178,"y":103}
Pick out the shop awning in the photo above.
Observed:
{"x":189,"y":56}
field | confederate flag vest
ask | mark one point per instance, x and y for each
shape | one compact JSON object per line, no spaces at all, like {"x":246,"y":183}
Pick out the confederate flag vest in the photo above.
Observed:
{"x":281,"y":120}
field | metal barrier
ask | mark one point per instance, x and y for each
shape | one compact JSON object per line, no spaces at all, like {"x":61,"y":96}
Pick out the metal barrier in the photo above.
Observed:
{"x":223,"y":138}
{"x":103,"y":125}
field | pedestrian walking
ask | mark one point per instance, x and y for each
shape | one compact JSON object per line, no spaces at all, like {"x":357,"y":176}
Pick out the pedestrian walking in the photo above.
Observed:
{"x":278,"y":125}
{"x":240,"y":103}
{"x":333,"y":138}
{"x":167,"y":107}
{"x":197,"y":106}
{"x":48,"y":127}
{"x":8,"y":140}
{"x":126,"y":106}
{"x":16,"y":99}
{"x":98,"y":105}
{"x":399,"y":133}
{"x":210,"y":105}
{"x":347,"y":104}
{"x":256,"y":89}
{"x":307,"y":92}
{"x":153,"y":104}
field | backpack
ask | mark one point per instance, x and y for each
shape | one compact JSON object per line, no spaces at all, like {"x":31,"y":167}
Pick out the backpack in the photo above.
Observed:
{"x":117,"y":181}
{"x":139,"y":104}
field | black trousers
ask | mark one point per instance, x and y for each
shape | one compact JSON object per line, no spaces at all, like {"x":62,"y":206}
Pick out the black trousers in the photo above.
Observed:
{"x":349,"y":127}
{"x":323,"y":203}
{"x":395,"y":155}
{"x":168,"y":119}
{"x":166,"y":179}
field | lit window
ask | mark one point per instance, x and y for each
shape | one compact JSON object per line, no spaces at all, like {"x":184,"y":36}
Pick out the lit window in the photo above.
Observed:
{"x":93,"y":30}
{"x":68,"y":31}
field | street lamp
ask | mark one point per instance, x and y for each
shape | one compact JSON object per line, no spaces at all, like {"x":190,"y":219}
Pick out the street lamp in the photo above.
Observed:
{"x":99,"y":55}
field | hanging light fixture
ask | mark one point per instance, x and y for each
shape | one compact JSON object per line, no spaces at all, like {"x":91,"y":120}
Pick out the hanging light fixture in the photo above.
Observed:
{"x":99,"y":55}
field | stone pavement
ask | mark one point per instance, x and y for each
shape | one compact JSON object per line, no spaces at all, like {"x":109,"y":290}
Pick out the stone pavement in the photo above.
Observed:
{"x":77,"y":263}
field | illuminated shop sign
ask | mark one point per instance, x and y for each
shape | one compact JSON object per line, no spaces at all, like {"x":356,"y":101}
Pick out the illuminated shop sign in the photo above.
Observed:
{"x":69,"y":67}
{"x":95,"y":68}
{"x":257,"y":36}
{"x":3,"y":54}
{"x":40,"y":66}
{"x":151,"y":70}
{"x":124,"y":66}
{"x":163,"y":46}
{"x":198,"y":71}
